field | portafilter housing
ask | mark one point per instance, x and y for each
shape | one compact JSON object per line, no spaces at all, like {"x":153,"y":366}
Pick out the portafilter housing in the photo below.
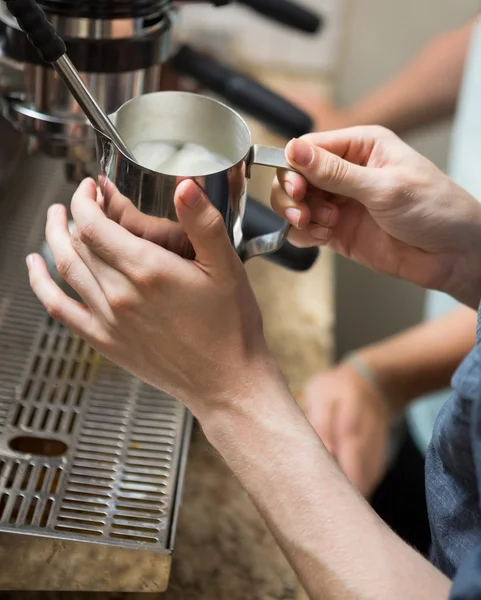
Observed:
{"x":118,"y":46}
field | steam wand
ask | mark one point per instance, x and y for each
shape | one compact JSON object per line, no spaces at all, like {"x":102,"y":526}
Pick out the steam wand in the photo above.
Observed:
{"x":52,"y":50}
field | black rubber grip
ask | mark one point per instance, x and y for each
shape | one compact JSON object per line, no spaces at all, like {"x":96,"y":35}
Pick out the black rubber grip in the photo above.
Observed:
{"x":31,"y":19}
{"x":260,"y":219}
{"x":244,"y":93}
{"x":287,"y":13}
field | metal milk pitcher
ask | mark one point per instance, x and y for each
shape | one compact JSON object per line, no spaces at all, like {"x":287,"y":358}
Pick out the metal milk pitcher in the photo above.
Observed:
{"x":180,"y":118}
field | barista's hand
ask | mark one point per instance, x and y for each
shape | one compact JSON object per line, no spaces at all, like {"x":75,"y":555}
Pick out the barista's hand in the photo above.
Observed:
{"x":189,"y":327}
{"x":385,"y":206}
{"x":352,"y":418}
{"x":164,"y":232}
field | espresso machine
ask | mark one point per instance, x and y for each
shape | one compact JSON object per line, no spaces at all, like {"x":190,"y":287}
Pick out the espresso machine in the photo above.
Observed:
{"x":92,"y":460}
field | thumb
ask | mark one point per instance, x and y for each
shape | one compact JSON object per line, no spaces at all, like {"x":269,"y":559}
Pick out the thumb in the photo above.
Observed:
{"x":204,"y":226}
{"x":329,"y":172}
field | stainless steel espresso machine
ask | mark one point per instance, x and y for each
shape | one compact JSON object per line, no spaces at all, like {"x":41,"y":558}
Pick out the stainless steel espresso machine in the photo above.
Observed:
{"x":92,"y":460}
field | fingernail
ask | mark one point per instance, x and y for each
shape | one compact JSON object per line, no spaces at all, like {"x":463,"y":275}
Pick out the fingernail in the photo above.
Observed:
{"x":29,"y":261}
{"x":191,"y":196}
{"x":293,"y":215}
{"x":53,"y":209}
{"x":319,"y":233}
{"x":301,"y":153}
{"x":289,"y":189}
{"x":325,"y":215}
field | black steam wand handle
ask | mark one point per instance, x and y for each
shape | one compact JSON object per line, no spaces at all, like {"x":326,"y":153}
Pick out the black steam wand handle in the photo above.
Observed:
{"x":284,"y":12}
{"x":287,"y":13}
{"x":243,"y":92}
{"x":259,"y":220}
{"x":51,"y":48}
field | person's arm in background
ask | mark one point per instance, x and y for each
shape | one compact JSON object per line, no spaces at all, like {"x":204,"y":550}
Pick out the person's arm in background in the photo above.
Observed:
{"x":352,"y":413}
{"x":423,"y":358}
{"x":423,"y":92}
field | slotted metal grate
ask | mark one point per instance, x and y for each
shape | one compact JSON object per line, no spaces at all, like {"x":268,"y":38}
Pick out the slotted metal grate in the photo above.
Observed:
{"x":91,"y":459}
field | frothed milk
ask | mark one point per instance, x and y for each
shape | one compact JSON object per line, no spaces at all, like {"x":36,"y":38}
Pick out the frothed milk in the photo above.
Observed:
{"x":182,"y":160}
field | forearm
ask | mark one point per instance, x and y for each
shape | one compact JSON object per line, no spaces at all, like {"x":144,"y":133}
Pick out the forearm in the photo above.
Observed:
{"x":425,"y":91}
{"x":337,"y":545}
{"x":422,"y":359}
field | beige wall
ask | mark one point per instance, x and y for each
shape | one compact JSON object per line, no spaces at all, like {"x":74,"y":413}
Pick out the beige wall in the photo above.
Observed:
{"x":379,"y":36}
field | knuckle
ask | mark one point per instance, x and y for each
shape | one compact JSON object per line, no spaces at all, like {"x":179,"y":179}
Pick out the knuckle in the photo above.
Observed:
{"x":213,"y":225}
{"x":64,"y":267}
{"x":86,"y":233}
{"x":148,"y":272}
{"x":54,"y":309}
{"x":121,"y":303}
{"x":333,"y":168}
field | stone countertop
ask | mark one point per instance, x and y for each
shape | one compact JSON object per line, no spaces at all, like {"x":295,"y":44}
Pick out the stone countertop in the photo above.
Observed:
{"x":223,"y":550}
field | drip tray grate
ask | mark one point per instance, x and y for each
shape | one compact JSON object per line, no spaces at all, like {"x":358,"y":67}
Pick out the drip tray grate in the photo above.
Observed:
{"x":91,"y":459}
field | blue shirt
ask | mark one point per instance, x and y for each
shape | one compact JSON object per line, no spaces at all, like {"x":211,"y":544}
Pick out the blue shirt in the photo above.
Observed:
{"x":453,"y":480}
{"x":464,"y":168}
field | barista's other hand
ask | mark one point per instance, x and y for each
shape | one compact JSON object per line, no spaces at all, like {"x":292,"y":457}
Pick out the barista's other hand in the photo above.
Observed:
{"x":189,"y":327}
{"x":375,"y":200}
{"x":352,"y":418}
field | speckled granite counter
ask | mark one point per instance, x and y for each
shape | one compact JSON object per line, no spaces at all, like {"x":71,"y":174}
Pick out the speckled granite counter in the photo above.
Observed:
{"x":223,"y":550}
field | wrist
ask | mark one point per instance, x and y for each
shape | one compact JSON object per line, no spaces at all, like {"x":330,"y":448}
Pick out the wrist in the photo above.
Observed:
{"x":464,"y":283}
{"x":265,"y":394}
{"x":370,"y":364}
{"x":463,"y":278}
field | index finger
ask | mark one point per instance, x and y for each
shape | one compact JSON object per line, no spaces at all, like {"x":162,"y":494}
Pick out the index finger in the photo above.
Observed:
{"x":350,"y":141}
{"x":106,"y":238}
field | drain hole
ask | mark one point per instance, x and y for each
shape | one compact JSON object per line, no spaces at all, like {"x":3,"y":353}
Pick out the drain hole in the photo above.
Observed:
{"x":31,"y":511}
{"x":78,"y":512}
{"x":141,"y":510}
{"x":60,"y":369}
{"x":11,"y":476}
{"x":138,"y":519}
{"x":26,"y":477}
{"x":26,"y":391}
{"x":16,"y":509}
{"x":135,"y":528}
{"x":80,"y":520}
{"x":43,"y":343}
{"x":133,"y":538}
{"x":36,"y":364}
{"x":71,"y":425}
{"x":3,"y":504}
{"x":18,"y":415}
{"x":38,"y":446}
{"x":33,"y":413}
{"x":78,"y":530}
{"x":46,"y":513}
{"x":41,"y":479}
{"x":78,"y":396}
{"x":68,"y":347}
{"x":56,"y":427}
{"x":45,"y":419}
{"x":55,"y":481}
{"x":48,"y":367}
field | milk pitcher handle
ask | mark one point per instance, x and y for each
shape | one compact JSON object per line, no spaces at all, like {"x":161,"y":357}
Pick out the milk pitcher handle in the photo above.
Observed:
{"x":269,"y":243}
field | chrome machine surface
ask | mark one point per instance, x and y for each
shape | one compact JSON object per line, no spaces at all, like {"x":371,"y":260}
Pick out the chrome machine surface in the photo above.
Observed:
{"x":91,"y":459}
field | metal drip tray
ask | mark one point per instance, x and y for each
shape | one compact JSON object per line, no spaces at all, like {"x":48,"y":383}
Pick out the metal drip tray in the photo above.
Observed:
{"x":91,"y":459}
